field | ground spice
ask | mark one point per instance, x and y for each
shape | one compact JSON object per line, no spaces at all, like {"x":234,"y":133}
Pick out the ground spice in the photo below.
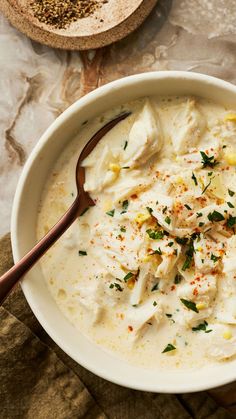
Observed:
{"x":61,"y":13}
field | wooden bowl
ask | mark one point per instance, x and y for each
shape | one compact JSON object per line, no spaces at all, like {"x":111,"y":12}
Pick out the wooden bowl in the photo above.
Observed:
{"x":109,"y":23}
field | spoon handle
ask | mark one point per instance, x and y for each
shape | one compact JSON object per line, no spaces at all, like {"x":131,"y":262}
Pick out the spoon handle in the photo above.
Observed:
{"x":11,"y":277}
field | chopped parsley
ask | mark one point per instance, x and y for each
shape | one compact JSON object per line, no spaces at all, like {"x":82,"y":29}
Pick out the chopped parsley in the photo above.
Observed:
{"x":231,"y":221}
{"x":125,"y":205}
{"x":125,"y":167}
{"x":170,"y":244}
{"x":214,"y":257}
{"x":154,"y":303}
{"x":210,"y":173}
{"x":215,"y":216}
{"x":207,"y":186}
{"x":194,"y":179}
{"x":203,"y":327}
{"x":155,"y":287}
{"x":125,"y":145}
{"x":154,"y":234}
{"x":82,"y":253}
{"x":123,"y":229}
{"x":167,"y":220}
{"x":201,"y":224}
{"x":150,"y":210}
{"x":169,"y":348}
{"x":189,"y":255}
{"x":116,"y":286}
{"x":182,"y":240}
{"x":128,"y":276}
{"x":111,"y":213}
{"x":188,"y":207}
{"x":199,"y":214}
{"x":208,"y":161}
{"x":168,"y":315}
{"x":189,"y":304}
{"x":230,"y":205}
{"x":164,"y":210}
{"x":178,"y":279}
{"x":187,"y":263}
{"x":231,"y":193}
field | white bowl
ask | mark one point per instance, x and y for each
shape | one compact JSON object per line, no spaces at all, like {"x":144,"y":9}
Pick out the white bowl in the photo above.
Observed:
{"x":24,"y":216}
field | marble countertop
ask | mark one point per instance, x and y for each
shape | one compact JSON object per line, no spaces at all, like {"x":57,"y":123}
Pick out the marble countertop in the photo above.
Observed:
{"x":38,"y":83}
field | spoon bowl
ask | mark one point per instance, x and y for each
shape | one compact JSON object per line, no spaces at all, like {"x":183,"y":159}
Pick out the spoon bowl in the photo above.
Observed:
{"x":81,"y":203}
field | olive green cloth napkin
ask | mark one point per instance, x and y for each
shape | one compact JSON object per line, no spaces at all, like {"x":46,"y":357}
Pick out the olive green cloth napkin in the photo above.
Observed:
{"x":39,"y":381}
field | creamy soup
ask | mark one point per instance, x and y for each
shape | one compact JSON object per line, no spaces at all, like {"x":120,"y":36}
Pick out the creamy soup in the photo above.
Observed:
{"x":149,"y":272}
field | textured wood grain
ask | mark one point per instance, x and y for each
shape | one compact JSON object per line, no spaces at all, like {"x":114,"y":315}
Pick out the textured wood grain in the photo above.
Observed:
{"x":112,"y":22}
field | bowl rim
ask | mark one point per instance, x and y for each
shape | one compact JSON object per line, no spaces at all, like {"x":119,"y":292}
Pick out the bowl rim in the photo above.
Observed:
{"x":59,"y":121}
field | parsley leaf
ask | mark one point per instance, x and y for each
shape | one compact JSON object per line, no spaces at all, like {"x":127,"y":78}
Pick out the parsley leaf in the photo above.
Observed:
{"x":82,"y":253}
{"x":215,"y":216}
{"x":125,"y":145}
{"x":154,"y":234}
{"x":204,"y":190}
{"x":208,"y":161}
{"x":155,"y":287}
{"x":188,"y":207}
{"x":111,"y":213}
{"x":169,"y":348}
{"x":150,"y":210}
{"x":214,"y":257}
{"x":230,"y":204}
{"x":194,"y":179}
{"x":189,"y":255}
{"x":125,"y":205}
{"x":231,"y":193}
{"x":117,"y":286}
{"x":231,"y":221}
{"x":189,"y":304}
{"x":201,"y":326}
{"x":128,"y":276}
{"x":178,"y":279}
{"x":167,"y":220}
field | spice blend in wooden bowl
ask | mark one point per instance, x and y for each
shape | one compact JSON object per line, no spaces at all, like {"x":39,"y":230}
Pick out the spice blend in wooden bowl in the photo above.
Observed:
{"x":76,"y":24}
{"x":60,"y":13}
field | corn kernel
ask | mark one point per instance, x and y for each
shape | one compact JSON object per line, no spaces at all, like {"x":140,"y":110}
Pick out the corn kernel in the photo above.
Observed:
{"x":179,"y":179}
{"x":201,"y":306}
{"x":130,"y":283}
{"x":230,"y":117}
{"x":227,"y":334}
{"x":114,"y":167}
{"x":147,"y":258}
{"x":231,"y":158}
{"x":141,"y":218}
{"x":199,"y":249}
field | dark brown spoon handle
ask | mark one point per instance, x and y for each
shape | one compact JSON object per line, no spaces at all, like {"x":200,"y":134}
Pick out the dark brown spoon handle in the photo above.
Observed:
{"x":11,"y":277}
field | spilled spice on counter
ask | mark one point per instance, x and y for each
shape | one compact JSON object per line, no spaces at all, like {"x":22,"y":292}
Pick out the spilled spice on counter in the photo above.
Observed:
{"x":61,"y":13}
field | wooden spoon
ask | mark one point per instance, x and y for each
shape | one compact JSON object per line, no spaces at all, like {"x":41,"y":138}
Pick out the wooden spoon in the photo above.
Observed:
{"x":81,"y":203}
